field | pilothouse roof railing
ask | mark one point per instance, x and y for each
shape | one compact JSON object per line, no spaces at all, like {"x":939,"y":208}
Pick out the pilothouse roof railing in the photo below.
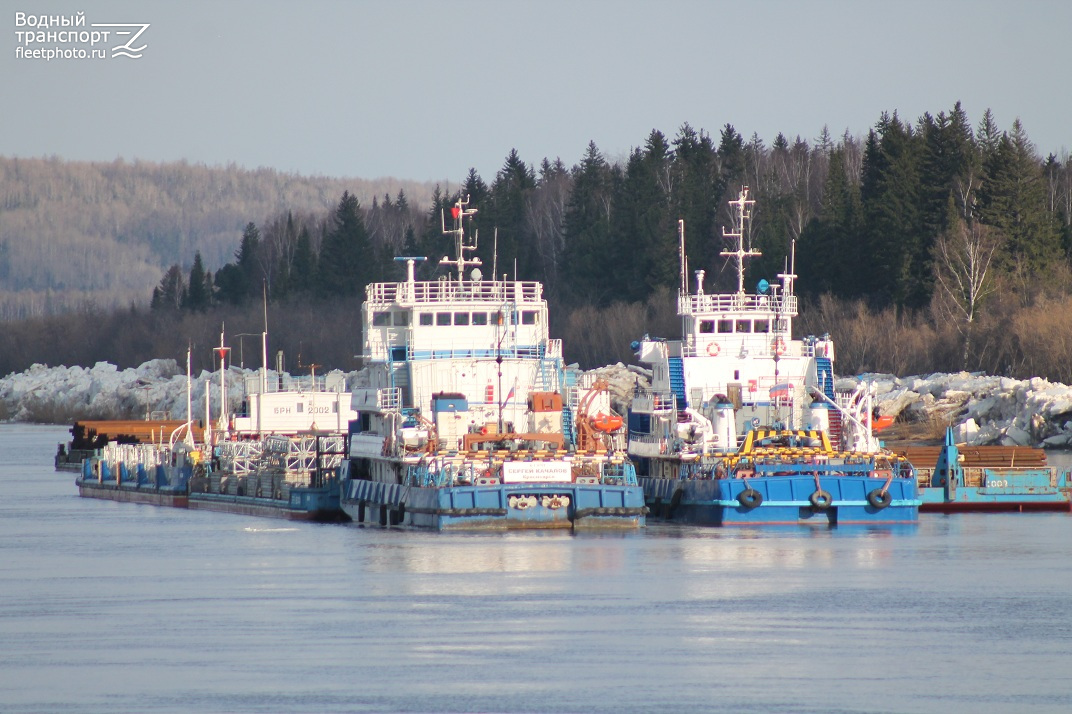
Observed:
{"x":455,"y":291}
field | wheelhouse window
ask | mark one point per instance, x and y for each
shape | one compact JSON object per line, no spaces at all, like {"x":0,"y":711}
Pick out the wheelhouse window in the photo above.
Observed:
{"x":401,"y":319}
{"x":762,"y":326}
{"x":381,"y":319}
{"x":426,"y":318}
{"x":480,"y":318}
{"x":461,"y":318}
{"x":744,"y":325}
{"x":528,"y":317}
{"x":781,"y":325}
{"x":707,"y":327}
{"x":725,"y":326}
{"x":442,"y":319}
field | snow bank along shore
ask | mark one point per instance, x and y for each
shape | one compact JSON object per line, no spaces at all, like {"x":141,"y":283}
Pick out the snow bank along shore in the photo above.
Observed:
{"x":984,"y":409}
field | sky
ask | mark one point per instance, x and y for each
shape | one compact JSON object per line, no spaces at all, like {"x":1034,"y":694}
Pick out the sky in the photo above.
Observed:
{"x":427,"y":90}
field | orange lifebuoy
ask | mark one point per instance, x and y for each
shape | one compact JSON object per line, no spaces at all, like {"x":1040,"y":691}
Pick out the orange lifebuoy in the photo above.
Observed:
{"x":779,"y":346}
{"x":712,"y":349}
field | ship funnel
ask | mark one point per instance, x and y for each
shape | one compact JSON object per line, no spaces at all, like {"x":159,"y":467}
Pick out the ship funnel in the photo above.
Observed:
{"x":724,"y":424}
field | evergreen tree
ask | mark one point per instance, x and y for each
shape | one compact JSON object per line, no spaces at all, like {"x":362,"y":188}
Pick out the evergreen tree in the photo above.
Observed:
{"x":282,"y":281}
{"x":588,"y":235}
{"x":824,"y":143}
{"x":645,"y":256}
{"x":479,"y":198}
{"x":1013,"y":199}
{"x":409,"y":244}
{"x":545,"y":221}
{"x":198,"y":291}
{"x":949,"y":166}
{"x":964,"y":160}
{"x":771,"y":228}
{"x":509,"y":192}
{"x":347,"y":262}
{"x":230,"y":285}
{"x":988,"y":136}
{"x":731,"y":154}
{"x":890,"y":200}
{"x":246,"y":259}
{"x":697,"y":196}
{"x":432,"y":243}
{"x":171,"y":293}
{"x":948,"y":170}
{"x":303,"y":268}
{"x":831,"y":253}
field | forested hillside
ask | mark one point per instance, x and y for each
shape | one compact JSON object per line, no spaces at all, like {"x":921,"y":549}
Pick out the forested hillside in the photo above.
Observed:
{"x":924,"y":245}
{"x":78,"y":232}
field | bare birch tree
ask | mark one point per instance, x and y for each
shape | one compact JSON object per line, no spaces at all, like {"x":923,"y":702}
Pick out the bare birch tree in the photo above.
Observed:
{"x":963,"y":257}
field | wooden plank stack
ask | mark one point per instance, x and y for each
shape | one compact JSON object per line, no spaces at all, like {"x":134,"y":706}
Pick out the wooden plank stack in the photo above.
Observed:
{"x":95,"y":434}
{"x":926,"y":457}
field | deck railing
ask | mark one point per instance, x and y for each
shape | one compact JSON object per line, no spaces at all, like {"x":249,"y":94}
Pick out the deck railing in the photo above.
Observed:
{"x":453,"y":291}
{"x":334,"y":382}
{"x":723,"y":303}
{"x":654,"y":401}
{"x":450,"y":350}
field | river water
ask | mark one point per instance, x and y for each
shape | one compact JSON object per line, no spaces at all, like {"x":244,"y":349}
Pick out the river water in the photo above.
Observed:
{"x":113,"y":607}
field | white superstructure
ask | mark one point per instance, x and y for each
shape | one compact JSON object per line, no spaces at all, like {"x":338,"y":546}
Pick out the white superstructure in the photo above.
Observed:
{"x":463,"y":371}
{"x":736,"y":367}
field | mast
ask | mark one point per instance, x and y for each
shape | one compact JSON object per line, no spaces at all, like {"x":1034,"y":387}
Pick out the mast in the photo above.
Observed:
{"x":460,"y":211}
{"x":189,"y":400}
{"x":222,"y":351}
{"x":264,"y":350}
{"x":681,"y":253}
{"x":790,"y":274}
{"x":744,"y":214}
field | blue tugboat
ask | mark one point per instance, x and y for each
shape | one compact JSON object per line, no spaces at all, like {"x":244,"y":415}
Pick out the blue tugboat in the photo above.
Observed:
{"x":807,"y":452}
{"x":470,"y":420}
{"x":782,"y":477}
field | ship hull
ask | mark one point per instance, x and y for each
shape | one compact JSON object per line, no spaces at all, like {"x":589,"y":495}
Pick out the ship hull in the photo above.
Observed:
{"x":785,"y":500}
{"x":169,"y":486}
{"x":985,"y":500}
{"x":498,"y":507}
{"x":132,"y":493}
{"x":319,"y":505}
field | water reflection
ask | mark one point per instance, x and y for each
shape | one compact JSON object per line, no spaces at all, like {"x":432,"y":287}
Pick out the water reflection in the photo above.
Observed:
{"x":490,"y":553}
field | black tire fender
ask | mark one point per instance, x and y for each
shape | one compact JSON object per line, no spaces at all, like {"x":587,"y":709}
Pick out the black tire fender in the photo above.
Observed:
{"x":820,"y":500}
{"x":750,"y":498}
{"x":879,"y":498}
